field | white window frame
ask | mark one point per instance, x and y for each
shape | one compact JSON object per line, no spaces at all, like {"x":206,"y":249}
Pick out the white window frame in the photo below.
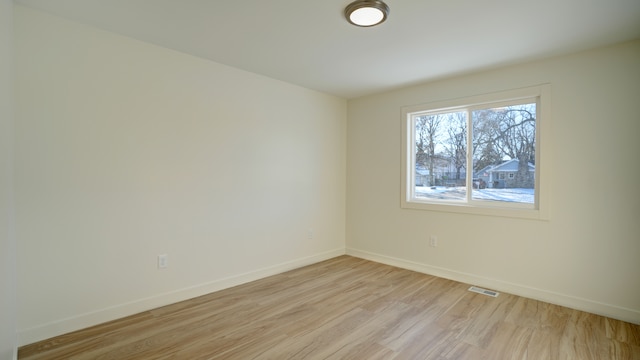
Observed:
{"x":541,"y":94}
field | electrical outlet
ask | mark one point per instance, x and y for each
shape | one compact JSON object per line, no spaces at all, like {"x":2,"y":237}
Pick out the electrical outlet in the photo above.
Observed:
{"x":163,"y":261}
{"x":433,"y":241}
{"x":310,"y":234}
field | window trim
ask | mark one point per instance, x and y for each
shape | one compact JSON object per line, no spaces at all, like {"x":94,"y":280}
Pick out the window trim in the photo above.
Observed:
{"x":540,"y":209}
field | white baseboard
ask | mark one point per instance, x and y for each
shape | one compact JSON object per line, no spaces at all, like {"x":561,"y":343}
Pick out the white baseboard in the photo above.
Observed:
{"x":82,"y":321}
{"x":612,"y":311}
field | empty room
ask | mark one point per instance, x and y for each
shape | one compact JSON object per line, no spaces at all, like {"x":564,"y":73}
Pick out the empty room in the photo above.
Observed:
{"x":331,"y":179}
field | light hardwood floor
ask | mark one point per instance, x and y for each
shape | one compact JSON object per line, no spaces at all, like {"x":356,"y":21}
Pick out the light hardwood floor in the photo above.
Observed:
{"x":349,"y":308}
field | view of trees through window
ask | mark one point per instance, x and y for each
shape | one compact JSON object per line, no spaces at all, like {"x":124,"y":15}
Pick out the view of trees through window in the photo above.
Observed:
{"x":499,"y":150}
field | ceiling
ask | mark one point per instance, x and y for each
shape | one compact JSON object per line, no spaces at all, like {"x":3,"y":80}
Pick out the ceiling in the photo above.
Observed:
{"x":309,"y":42}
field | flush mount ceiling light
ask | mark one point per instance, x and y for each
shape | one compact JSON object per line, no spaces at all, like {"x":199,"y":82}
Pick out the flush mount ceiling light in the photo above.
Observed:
{"x":366,"y":12}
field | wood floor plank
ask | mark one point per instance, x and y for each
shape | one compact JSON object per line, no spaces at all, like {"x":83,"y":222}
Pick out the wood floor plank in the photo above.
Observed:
{"x":350,"y":308}
{"x":509,"y":341}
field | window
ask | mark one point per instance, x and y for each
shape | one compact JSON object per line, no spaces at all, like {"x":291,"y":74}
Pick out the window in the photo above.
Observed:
{"x":482,"y":154}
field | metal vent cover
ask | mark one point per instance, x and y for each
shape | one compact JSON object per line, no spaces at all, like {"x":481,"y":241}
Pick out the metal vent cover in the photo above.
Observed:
{"x":484,"y":291}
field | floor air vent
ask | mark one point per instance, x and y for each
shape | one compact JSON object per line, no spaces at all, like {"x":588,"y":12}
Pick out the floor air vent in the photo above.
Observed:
{"x":484,"y":291}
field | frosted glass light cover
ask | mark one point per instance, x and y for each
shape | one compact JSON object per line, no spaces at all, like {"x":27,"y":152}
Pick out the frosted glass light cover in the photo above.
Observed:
{"x":366,"y":16}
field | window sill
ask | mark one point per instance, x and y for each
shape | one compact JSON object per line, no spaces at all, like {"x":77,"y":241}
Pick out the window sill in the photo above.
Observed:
{"x":464,"y":208}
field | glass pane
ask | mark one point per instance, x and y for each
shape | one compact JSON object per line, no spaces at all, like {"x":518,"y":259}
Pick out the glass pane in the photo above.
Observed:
{"x":440,"y":156}
{"x":504,"y":147}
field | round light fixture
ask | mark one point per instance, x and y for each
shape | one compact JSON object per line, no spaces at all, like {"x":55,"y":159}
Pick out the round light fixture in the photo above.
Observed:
{"x":366,"y":12}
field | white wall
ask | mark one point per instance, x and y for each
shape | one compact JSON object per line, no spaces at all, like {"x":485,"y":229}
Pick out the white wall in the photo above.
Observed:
{"x":7,"y":228}
{"x":125,"y":150}
{"x":586,"y":256}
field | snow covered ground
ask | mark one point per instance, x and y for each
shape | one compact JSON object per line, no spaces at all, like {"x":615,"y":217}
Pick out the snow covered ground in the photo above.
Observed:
{"x":459,"y":193}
